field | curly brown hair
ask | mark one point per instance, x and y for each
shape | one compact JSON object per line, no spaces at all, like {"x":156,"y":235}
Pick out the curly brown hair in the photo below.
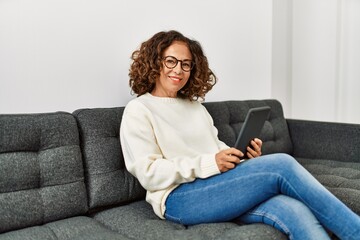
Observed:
{"x":147,"y":64}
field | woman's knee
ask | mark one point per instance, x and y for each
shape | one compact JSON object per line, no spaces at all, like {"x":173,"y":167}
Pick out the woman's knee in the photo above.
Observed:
{"x":285,"y":158}
{"x":280,"y":161}
{"x":286,"y":161}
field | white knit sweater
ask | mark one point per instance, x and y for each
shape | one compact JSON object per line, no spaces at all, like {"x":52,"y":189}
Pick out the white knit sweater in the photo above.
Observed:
{"x":166,"y":142}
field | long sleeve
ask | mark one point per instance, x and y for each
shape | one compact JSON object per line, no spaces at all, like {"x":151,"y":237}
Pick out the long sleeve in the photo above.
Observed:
{"x":146,"y":161}
{"x":167,"y":142}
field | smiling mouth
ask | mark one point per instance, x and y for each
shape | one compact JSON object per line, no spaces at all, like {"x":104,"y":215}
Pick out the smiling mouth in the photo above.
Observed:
{"x":175,"y":79}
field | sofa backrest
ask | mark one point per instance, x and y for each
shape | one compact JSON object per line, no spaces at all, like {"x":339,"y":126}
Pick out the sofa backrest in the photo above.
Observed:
{"x":41,"y":172}
{"x":229,"y":117}
{"x":107,"y":180}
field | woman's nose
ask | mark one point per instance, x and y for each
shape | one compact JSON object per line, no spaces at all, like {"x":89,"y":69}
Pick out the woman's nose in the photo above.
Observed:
{"x":177,"y":69}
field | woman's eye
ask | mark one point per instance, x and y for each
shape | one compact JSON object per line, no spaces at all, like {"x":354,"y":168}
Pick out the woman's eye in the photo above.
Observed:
{"x":187,"y":65}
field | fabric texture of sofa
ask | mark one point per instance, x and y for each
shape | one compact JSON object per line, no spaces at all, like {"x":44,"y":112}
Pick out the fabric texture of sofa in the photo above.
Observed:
{"x":62,"y":175}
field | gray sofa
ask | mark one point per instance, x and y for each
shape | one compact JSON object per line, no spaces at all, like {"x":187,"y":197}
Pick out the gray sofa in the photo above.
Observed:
{"x":62,"y":175}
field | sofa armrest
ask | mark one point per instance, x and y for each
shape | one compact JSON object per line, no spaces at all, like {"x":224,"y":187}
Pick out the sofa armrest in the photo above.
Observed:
{"x":325,"y":140}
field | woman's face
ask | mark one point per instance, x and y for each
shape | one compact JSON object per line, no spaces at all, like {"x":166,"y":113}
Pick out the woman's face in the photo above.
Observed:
{"x":171,"y":80}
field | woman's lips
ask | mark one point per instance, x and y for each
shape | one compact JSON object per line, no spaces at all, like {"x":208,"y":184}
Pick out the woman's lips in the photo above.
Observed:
{"x":176,"y":79}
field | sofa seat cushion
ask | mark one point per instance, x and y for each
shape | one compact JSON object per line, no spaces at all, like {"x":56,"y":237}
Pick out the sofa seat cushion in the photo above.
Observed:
{"x":138,"y":221}
{"x":76,"y":228}
{"x":341,"y":178}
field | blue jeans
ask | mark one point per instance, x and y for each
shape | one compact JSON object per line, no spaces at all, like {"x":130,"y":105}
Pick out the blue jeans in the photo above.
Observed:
{"x":272,"y":189}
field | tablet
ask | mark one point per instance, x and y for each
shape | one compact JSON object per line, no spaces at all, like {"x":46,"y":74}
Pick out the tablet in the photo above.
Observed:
{"x":252,"y":126}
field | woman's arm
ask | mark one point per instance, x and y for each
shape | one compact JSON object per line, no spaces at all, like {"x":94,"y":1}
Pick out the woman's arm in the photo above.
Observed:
{"x":144,"y":159}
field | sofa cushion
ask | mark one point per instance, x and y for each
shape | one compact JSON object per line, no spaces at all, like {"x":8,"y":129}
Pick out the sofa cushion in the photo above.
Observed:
{"x":41,"y":172}
{"x":76,"y":228}
{"x":229,"y":117}
{"x":325,"y":140}
{"x":341,"y":178}
{"x":108,"y":181}
{"x":138,"y":221}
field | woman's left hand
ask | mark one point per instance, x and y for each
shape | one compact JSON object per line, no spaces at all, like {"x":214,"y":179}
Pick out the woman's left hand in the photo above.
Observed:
{"x":255,"y":149}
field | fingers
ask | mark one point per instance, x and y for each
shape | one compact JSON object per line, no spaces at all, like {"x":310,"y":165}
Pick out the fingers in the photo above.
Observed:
{"x":255,"y":149}
{"x":234,"y":151}
{"x":258,"y":142}
{"x":228,"y":159}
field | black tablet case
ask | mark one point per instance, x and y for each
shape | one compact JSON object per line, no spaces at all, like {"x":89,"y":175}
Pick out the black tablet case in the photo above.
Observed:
{"x":252,"y":126}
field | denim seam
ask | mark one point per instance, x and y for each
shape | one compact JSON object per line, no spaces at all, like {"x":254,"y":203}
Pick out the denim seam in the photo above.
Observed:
{"x":173,"y":219}
{"x":272,"y":218}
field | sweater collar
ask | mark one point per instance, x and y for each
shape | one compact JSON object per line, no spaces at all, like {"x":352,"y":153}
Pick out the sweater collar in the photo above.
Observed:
{"x":162,"y":99}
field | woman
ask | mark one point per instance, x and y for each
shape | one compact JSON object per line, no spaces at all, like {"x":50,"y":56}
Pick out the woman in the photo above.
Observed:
{"x":171,"y":146}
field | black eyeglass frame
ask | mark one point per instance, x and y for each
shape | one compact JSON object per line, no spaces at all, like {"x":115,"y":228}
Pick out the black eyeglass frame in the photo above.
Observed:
{"x":181,"y":63}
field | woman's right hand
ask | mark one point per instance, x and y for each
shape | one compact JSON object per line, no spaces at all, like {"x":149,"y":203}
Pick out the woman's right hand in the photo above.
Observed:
{"x":228,"y":159}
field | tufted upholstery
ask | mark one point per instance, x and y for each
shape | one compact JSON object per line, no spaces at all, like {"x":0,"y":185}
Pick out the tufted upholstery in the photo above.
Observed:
{"x":141,"y":223}
{"x":229,"y":117}
{"x":104,"y":164}
{"x":341,"y":178}
{"x":331,"y":152}
{"x":108,"y":182}
{"x":41,"y":172}
{"x":75,"y":228}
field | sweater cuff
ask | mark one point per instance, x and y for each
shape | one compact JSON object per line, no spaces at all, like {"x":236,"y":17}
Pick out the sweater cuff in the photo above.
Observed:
{"x":208,"y":167}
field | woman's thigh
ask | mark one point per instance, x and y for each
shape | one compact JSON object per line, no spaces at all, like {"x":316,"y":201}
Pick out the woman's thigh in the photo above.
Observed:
{"x":228,"y":195}
{"x":231,"y":194}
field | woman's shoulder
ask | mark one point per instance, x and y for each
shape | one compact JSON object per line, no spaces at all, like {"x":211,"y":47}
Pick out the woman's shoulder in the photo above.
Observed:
{"x":150,"y":103}
{"x":135,"y":105}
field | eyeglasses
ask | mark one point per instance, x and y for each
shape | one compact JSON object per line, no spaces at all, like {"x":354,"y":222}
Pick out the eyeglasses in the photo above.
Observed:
{"x":171,"y":62}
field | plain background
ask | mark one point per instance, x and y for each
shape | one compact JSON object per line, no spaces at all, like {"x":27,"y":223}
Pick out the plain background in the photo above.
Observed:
{"x":62,"y":55}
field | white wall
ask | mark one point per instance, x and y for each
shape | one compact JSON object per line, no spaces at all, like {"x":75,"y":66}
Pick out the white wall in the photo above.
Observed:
{"x":281,"y":85}
{"x":316,"y":59}
{"x":69,"y":54}
{"x":348,"y":53}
